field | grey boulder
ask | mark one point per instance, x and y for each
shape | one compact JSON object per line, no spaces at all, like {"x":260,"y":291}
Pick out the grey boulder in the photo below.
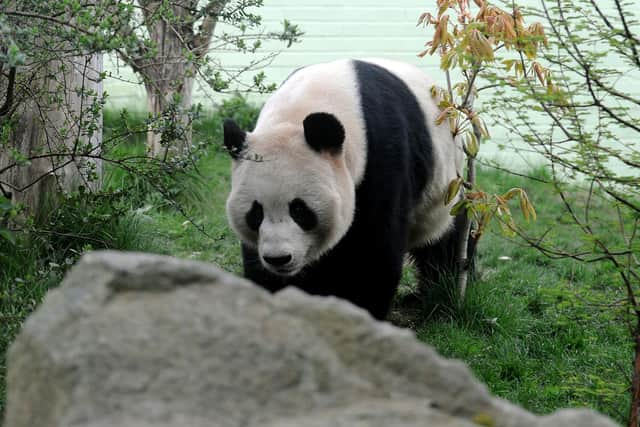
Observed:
{"x":137,"y":340}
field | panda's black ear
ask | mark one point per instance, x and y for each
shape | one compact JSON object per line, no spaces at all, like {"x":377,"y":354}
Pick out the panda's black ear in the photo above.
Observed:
{"x":324,"y":132}
{"x":234,"y":138}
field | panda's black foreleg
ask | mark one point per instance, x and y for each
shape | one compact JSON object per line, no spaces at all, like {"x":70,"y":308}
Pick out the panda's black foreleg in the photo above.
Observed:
{"x":374,"y":275}
{"x":436,"y":263}
{"x":364,"y":268}
{"x":254,"y":271}
{"x":371,"y":286}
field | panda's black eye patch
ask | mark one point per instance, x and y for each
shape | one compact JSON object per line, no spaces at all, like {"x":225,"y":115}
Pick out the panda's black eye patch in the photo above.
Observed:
{"x":302,"y":214}
{"x":255,"y":216}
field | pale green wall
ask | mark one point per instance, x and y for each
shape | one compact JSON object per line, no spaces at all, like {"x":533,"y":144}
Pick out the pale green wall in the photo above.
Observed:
{"x":333,"y":29}
{"x":338,"y":29}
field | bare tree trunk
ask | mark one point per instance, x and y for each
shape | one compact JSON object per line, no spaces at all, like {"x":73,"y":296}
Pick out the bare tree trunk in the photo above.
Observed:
{"x":169,"y":77}
{"x":161,"y":92}
{"x":53,"y":127}
{"x":465,"y":263}
{"x":634,"y":412}
{"x":168,"y":73}
{"x":85,"y":89}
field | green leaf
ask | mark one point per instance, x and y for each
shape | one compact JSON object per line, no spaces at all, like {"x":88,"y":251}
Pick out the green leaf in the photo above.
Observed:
{"x":471,"y":147}
{"x":453,"y":190}
{"x":459,"y":207}
{"x":8,"y":236}
{"x":5,"y":204}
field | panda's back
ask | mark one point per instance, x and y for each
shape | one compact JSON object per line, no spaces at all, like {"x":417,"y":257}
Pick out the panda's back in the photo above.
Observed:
{"x":391,"y":140}
{"x":328,"y":87}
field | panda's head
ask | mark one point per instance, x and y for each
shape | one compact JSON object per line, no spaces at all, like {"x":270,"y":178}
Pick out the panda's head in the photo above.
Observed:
{"x":292,"y":197}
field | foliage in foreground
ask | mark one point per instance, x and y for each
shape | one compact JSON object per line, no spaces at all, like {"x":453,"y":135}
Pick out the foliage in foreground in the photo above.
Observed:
{"x":585,"y":132}
{"x":471,"y":38}
{"x":540,"y":332}
{"x":570,"y":104}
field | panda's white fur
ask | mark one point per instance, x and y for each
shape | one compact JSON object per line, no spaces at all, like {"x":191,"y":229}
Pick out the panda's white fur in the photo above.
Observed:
{"x":308,"y":91}
{"x":287,"y":167}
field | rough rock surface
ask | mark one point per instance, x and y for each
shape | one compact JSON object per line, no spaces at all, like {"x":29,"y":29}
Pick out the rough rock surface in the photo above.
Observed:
{"x":137,"y":340}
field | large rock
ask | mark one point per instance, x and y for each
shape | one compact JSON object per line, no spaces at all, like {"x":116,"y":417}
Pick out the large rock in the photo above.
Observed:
{"x":136,"y":340}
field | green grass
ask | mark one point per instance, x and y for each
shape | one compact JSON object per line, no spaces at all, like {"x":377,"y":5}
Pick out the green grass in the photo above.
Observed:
{"x":198,"y":230}
{"x":37,"y":262}
{"x":182,"y":236}
{"x":530,"y":327}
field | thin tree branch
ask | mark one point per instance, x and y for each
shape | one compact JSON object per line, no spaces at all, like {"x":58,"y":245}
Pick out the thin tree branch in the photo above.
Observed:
{"x":634,"y":41}
{"x":202,"y":39}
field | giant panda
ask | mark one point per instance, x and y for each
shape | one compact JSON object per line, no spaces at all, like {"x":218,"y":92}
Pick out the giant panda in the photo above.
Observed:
{"x":344,"y":174}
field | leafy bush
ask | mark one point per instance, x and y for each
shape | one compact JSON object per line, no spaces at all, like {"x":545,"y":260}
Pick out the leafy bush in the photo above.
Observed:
{"x":236,"y":108}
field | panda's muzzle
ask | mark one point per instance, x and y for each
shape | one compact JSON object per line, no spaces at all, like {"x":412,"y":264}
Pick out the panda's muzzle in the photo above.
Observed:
{"x":281,"y":265}
{"x":277,"y":261}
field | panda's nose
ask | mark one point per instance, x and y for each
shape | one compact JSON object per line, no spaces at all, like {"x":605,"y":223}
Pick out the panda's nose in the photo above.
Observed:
{"x":277,"y":261}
